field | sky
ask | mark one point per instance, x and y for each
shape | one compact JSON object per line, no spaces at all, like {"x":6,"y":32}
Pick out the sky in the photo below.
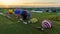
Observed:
{"x":42,"y":3}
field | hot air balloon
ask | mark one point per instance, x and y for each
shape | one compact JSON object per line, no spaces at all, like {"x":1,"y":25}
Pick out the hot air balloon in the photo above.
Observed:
{"x":34,"y":20}
{"x":10,"y":11}
{"x":46,"y":24}
{"x":17,"y":12}
{"x":25,"y":15}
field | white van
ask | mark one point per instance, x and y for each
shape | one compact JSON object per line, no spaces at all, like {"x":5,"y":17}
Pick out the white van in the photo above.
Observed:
{"x":37,"y":11}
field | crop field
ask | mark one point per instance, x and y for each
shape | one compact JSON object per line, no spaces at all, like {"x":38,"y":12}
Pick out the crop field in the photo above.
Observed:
{"x":11,"y":26}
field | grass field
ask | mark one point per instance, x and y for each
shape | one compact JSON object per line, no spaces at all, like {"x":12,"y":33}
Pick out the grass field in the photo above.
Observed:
{"x":13,"y":27}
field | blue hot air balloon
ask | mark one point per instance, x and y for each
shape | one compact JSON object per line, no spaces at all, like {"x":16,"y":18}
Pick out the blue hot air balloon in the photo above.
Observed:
{"x":23,"y":13}
{"x":28,"y":15}
{"x":17,"y":11}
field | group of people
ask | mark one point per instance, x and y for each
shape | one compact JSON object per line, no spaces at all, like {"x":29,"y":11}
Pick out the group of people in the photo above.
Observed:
{"x":23,"y":13}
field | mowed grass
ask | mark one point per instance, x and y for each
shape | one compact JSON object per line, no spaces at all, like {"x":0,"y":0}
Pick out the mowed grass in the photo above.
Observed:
{"x":11,"y":26}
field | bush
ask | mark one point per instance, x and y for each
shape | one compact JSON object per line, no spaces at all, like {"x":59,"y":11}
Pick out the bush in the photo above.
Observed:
{"x":58,"y":18}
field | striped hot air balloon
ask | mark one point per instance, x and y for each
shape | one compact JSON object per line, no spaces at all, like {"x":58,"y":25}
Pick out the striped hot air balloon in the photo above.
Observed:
{"x":46,"y":24}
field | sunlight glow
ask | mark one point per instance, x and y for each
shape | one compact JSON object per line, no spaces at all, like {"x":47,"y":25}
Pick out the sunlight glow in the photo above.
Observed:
{"x":12,"y":3}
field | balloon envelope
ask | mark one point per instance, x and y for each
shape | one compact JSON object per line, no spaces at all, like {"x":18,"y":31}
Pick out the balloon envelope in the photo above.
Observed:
{"x":17,"y":11}
{"x":46,"y":24}
{"x":28,"y":15}
{"x":10,"y":11}
{"x":34,"y":20}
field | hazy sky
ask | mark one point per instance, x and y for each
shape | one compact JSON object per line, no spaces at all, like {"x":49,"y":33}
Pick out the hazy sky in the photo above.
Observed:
{"x":43,"y":0}
{"x":29,"y":1}
{"x":33,"y":2}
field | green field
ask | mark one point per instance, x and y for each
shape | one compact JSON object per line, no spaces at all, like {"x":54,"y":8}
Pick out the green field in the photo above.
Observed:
{"x":11,"y":26}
